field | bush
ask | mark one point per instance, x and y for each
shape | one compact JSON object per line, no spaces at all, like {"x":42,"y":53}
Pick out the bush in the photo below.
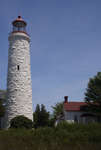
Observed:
{"x":63,"y":137}
{"x":21,"y":122}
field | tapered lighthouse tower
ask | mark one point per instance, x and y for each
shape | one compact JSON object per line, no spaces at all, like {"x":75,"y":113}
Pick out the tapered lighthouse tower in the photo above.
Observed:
{"x":19,"y":91}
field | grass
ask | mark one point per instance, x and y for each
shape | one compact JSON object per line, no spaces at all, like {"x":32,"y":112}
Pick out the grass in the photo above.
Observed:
{"x":63,"y":137}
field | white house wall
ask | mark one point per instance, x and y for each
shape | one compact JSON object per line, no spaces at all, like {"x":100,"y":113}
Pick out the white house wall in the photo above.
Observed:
{"x":70,"y":116}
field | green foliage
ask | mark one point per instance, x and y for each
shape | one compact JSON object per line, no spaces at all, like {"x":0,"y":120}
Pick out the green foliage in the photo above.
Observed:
{"x":51,"y":122}
{"x":2,"y":109}
{"x":41,"y":116}
{"x":21,"y":122}
{"x":93,"y":93}
{"x":63,"y":137}
{"x":3,"y":95}
{"x":44,"y":116}
{"x":57,"y":110}
{"x":37,"y":116}
{"x":2,"y":101}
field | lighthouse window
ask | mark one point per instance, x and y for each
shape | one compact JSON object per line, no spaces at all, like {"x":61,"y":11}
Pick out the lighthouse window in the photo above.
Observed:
{"x":18,"y":67}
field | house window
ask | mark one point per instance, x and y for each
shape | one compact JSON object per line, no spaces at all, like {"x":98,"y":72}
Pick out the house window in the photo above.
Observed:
{"x":18,"y":67}
{"x":75,"y":119}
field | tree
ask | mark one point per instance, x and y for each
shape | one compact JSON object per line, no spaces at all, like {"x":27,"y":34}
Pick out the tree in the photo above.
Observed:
{"x":37,"y":116}
{"x":58,"y":110}
{"x":41,"y":116}
{"x":93,"y":94}
{"x":2,"y":101}
{"x":44,"y":116}
{"x":2,"y":109}
{"x":51,"y":122}
{"x":21,"y":122}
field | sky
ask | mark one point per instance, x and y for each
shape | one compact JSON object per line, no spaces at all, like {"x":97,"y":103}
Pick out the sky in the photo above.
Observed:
{"x":65,"y":46}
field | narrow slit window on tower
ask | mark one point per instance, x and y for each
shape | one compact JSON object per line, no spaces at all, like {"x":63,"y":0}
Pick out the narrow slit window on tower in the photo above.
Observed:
{"x":18,"y":67}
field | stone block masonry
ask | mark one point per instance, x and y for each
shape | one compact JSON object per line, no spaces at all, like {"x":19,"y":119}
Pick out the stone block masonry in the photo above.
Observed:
{"x":19,"y":90}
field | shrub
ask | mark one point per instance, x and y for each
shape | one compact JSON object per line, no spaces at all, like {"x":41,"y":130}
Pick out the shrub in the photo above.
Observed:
{"x":21,"y":122}
{"x":63,"y":137}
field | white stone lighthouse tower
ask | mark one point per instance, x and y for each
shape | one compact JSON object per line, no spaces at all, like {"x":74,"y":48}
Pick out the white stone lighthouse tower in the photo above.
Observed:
{"x":19,"y":91}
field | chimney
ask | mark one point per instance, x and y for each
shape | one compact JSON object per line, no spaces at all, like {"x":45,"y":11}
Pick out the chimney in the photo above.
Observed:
{"x":65,"y":99}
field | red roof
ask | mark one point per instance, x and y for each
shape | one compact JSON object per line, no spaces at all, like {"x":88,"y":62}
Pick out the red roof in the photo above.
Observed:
{"x":73,"y":106}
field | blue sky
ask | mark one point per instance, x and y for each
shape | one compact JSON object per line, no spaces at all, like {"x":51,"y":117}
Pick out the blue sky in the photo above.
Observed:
{"x":65,"y":45}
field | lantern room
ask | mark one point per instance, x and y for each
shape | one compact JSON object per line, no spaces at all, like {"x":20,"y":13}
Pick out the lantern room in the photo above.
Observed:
{"x":19,"y":25}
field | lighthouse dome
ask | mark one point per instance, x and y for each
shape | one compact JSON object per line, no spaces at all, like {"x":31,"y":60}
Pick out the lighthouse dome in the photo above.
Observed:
{"x":19,"y":25}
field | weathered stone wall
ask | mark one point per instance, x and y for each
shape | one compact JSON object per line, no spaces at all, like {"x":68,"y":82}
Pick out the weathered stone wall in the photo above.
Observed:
{"x":19,"y":91}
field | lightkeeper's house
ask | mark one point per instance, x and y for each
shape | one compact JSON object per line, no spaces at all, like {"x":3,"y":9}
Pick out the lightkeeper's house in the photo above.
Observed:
{"x":73,"y":112}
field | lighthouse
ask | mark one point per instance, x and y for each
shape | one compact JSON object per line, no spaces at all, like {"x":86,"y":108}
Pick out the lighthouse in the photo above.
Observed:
{"x":19,"y":90}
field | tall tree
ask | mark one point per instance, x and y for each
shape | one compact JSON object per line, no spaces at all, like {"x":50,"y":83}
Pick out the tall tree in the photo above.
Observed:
{"x":44,"y":116}
{"x":2,"y":109}
{"x":37,"y":116}
{"x":41,"y":116}
{"x":2,"y":102}
{"x":93,"y":93}
{"x":57,"y":110}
